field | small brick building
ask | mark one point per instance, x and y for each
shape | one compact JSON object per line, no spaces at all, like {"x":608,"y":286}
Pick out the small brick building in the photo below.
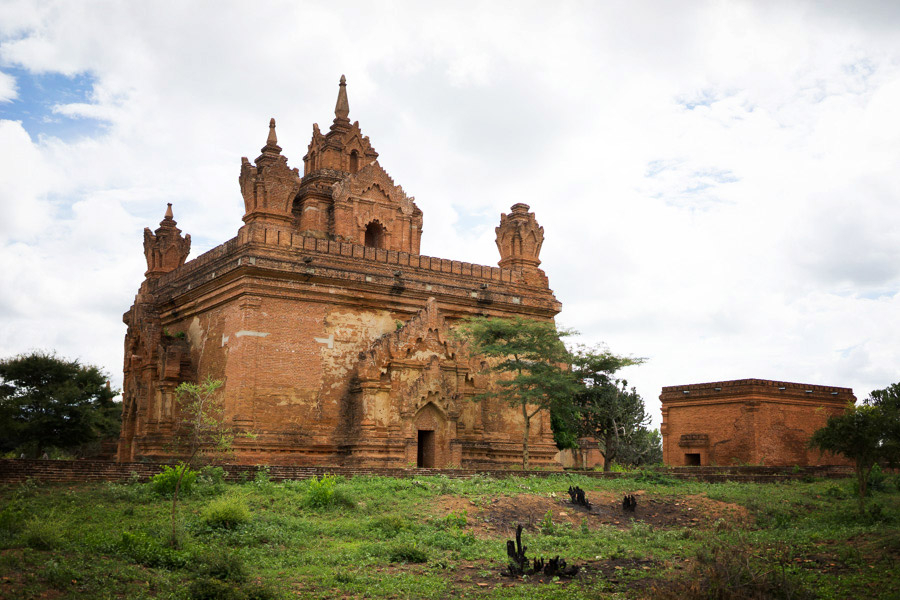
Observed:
{"x":329,"y":329}
{"x":747,"y":421}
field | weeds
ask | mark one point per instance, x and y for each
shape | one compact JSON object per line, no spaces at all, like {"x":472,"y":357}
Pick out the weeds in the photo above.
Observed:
{"x":42,"y":533}
{"x":323,"y":492}
{"x":407,"y":553}
{"x":724,"y":571}
{"x":226,"y":513}
{"x":163,"y":483}
{"x":305,"y":545}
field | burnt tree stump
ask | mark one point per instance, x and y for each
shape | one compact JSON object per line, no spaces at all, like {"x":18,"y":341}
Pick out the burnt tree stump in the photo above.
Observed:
{"x":578,"y":497}
{"x":629,"y":503}
{"x":519,"y":565}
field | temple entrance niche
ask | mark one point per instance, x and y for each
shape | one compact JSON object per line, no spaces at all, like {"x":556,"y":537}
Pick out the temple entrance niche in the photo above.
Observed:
{"x":425,"y":449}
{"x":432,"y":445}
{"x":375,"y":235}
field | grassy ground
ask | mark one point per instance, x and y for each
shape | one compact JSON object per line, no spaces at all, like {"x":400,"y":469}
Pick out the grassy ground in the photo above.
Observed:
{"x":376,"y":537}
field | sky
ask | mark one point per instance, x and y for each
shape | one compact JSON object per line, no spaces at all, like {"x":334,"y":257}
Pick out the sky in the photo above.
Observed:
{"x":718,"y":182}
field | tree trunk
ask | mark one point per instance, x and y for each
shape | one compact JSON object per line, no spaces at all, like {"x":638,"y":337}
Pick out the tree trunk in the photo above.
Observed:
{"x":862,"y":481}
{"x":525,"y":437}
{"x":607,"y":454}
{"x":184,"y":469}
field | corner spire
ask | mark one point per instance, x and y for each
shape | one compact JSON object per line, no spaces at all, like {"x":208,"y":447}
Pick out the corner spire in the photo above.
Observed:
{"x":342,"y":108}
{"x":272,"y":140}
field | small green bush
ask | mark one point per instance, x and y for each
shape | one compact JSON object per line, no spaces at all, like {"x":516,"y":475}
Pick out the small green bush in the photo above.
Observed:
{"x":223,"y":565}
{"x":59,"y":575}
{"x":11,"y":518}
{"x":212,"y":475}
{"x":148,"y":551}
{"x":323,"y":492}
{"x":389,"y":525}
{"x":163,"y":483}
{"x":208,"y":588}
{"x":42,"y":533}
{"x":454,"y":520}
{"x":226,"y":513}
{"x":320,"y":491}
{"x":407,"y":553}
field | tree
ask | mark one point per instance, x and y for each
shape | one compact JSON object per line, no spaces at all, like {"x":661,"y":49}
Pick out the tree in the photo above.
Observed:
{"x":888,"y":403}
{"x":201,"y":430}
{"x":47,"y":401}
{"x":608,"y":411}
{"x":532,"y":363}
{"x":645,"y":448}
{"x":867,"y":434}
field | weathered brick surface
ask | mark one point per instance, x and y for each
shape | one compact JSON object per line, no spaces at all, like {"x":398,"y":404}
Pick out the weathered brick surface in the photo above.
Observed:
{"x":13,"y":471}
{"x":748,"y":421}
{"x":331,"y":333}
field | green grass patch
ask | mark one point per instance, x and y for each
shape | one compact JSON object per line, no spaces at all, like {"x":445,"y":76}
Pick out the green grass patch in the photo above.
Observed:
{"x":378,"y":537}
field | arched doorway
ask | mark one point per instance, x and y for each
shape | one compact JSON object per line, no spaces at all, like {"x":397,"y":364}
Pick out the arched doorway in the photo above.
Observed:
{"x":374,"y":235}
{"x":432,"y":445}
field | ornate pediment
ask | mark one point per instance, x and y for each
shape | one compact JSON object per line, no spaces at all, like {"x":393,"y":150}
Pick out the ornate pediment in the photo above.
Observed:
{"x":421,"y":338}
{"x":373,"y":183}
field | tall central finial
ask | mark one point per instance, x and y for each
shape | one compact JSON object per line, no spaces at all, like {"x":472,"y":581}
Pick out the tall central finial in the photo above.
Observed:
{"x":342,"y":108}
{"x":272,"y":140}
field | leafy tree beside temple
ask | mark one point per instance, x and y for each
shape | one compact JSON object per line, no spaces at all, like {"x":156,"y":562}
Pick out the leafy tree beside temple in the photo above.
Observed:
{"x":49,"y":402}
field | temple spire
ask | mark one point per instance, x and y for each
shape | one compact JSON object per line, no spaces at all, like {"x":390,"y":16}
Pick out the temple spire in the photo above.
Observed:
{"x":342,"y":108}
{"x":169,"y":214}
{"x":272,"y":140}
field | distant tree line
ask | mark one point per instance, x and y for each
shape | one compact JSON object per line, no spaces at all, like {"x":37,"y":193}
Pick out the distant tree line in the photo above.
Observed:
{"x":51,"y":406}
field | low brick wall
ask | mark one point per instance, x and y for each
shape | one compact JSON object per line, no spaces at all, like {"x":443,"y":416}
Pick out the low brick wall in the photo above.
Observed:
{"x":17,"y":471}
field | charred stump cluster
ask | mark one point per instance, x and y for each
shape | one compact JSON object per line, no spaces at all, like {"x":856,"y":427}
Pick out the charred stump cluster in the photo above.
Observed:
{"x":629,"y":503}
{"x":578,"y":498}
{"x":520,"y":565}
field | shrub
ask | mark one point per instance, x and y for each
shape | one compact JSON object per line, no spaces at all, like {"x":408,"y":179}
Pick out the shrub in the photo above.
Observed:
{"x":11,"y":518}
{"x":724,"y":571}
{"x":223,"y":565}
{"x":547,"y":526}
{"x":454,"y":520}
{"x":42,"y":533}
{"x":407,"y":553}
{"x":226,"y":513}
{"x":148,"y":551}
{"x":651,"y":476}
{"x":163,"y":483}
{"x":212,"y":475}
{"x":389,"y":525}
{"x":323,"y":492}
{"x":59,"y":575}
{"x":208,"y":588}
{"x":320,"y":491}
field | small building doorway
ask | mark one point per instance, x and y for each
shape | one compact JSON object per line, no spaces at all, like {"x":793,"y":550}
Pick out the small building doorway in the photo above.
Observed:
{"x":425,"y":455}
{"x":692,"y":460}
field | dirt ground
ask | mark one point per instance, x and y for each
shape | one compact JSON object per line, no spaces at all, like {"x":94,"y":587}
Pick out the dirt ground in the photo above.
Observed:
{"x":498,"y":516}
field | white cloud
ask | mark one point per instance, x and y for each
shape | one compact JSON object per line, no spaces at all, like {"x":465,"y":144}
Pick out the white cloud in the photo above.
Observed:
{"x":717,"y":181}
{"x":8,"y":90}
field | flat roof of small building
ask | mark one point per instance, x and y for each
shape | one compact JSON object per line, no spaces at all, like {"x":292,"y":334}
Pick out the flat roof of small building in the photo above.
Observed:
{"x":756,"y":386}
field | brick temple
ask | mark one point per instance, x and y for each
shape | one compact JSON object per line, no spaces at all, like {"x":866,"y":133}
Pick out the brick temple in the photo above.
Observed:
{"x":329,"y":329}
{"x":748,"y":421}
